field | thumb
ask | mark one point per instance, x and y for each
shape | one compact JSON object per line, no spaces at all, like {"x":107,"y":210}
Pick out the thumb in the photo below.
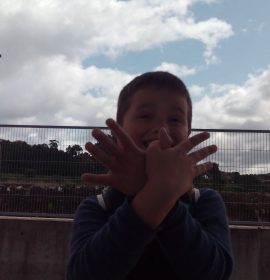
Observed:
{"x":164,"y":138}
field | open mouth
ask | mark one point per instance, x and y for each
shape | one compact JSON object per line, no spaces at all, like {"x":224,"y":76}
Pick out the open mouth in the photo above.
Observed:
{"x":147,"y":143}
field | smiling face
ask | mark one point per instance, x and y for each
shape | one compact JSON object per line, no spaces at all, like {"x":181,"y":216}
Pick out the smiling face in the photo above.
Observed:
{"x":151,"y":109}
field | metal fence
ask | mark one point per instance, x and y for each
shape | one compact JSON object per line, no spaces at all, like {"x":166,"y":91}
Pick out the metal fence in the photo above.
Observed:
{"x":40,"y":169}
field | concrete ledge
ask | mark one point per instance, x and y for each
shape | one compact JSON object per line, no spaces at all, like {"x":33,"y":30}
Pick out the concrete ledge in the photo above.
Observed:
{"x":37,"y":249}
{"x":35,"y":219}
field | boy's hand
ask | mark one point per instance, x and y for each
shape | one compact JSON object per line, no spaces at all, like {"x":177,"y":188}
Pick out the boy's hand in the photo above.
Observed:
{"x":124,"y":159}
{"x":170,"y":174}
{"x":175,"y":175}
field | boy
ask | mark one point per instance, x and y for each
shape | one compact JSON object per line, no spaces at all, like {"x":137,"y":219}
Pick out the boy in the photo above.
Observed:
{"x":148,"y":224}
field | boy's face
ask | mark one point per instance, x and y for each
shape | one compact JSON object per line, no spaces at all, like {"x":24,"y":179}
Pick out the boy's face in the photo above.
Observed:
{"x":150,"y":110}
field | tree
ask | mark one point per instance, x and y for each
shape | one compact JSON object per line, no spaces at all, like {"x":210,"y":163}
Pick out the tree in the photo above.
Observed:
{"x":215,"y":174}
{"x":74,"y":150}
{"x":53,"y":144}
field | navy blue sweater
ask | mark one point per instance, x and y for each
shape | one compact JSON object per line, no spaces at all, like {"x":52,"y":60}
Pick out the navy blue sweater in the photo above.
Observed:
{"x":117,"y":244}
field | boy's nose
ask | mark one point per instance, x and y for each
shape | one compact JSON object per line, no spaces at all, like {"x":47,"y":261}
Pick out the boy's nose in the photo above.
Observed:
{"x":159,"y":125}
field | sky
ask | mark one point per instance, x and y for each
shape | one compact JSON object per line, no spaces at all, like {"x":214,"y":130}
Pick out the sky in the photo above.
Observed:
{"x":64,"y":62}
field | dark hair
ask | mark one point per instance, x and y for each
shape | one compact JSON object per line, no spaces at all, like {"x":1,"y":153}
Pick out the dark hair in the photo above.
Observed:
{"x":157,"y":79}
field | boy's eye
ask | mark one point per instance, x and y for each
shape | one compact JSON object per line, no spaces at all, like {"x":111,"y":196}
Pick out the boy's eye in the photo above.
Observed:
{"x":145,"y":116}
{"x":175,"y":120}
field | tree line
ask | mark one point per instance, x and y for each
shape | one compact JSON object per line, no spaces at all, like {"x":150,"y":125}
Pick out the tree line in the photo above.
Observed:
{"x":19,"y":157}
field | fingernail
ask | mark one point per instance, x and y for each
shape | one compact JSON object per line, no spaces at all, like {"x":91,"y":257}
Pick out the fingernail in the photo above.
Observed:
{"x":96,"y":131}
{"x":109,"y":121}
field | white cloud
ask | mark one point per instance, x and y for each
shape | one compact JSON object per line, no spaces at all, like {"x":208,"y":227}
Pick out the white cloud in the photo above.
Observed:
{"x":244,"y":107}
{"x":196,"y":91}
{"x":210,"y":32}
{"x":240,"y":107}
{"x":43,"y":45}
{"x":79,"y":29}
{"x":216,"y":89}
{"x":60,"y":92}
{"x":178,"y":70}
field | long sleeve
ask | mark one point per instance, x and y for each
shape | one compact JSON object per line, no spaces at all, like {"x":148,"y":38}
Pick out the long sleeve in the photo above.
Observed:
{"x":110,"y":244}
{"x":198,"y":245}
{"x":105,"y":247}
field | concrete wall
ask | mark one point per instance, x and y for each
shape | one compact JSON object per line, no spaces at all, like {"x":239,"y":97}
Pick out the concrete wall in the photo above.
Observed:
{"x":33,"y":249}
{"x":251,"y":253}
{"x":37,"y":249}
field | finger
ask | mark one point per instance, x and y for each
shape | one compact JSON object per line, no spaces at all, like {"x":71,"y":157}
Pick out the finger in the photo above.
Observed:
{"x":120,"y":135}
{"x":193,"y":141}
{"x":97,"y":179}
{"x":203,"y":168}
{"x":203,"y":153}
{"x":105,"y":143}
{"x":100,"y":155}
{"x":164,"y":138}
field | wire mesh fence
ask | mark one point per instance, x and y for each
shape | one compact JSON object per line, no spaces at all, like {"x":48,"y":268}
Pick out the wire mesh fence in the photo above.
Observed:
{"x":40,"y":168}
